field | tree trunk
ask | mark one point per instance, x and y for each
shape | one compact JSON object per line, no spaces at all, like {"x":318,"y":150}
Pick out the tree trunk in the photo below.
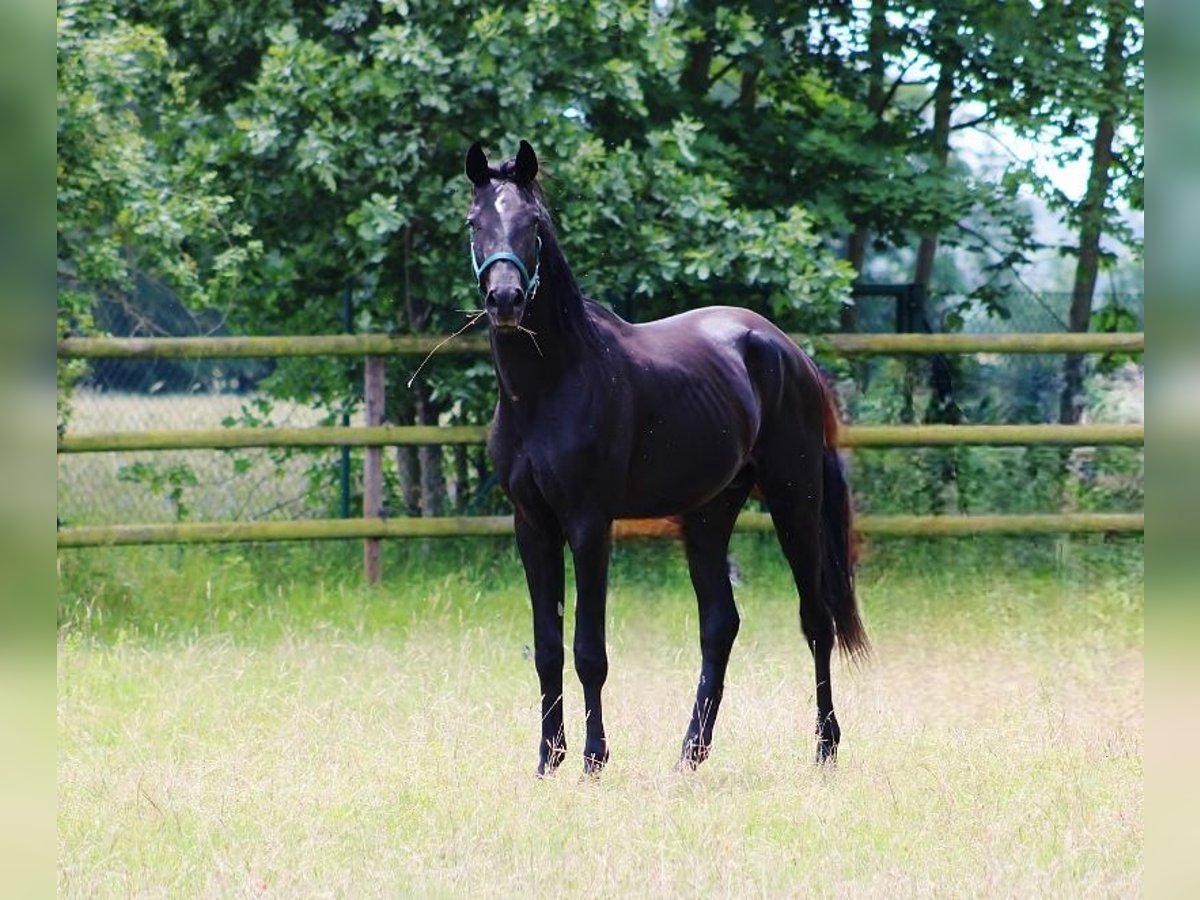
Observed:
{"x":462,"y":479}
{"x":856,"y":241}
{"x":433,"y":476}
{"x":403,"y":401}
{"x":1091,"y":215}
{"x":701,"y":19}
{"x":433,"y":482}
{"x":408,"y":468}
{"x":856,"y":253}
{"x":876,"y":56}
{"x":422,"y":481}
{"x":694,"y":77}
{"x":943,"y":106}
{"x":942,"y":463}
{"x":402,"y":410}
{"x":748,"y":92}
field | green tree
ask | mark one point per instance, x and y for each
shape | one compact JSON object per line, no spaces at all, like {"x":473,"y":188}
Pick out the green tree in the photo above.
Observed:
{"x":1095,"y":112}
{"x":694,"y":152}
{"x":344,"y":149}
{"x":129,"y":204}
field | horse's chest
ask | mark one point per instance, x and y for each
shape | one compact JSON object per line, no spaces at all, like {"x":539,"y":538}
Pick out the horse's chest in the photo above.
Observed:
{"x":559,"y":460}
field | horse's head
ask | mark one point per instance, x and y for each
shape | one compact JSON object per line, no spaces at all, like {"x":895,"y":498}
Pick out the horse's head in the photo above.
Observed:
{"x":505,"y":222}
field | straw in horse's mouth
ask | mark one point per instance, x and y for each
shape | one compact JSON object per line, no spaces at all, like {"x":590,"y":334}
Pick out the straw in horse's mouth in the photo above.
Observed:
{"x":532,"y":336}
{"x":475,"y":317}
{"x":517,"y":326}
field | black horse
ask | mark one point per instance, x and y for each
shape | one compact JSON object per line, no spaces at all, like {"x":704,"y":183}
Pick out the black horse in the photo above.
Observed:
{"x":599,"y":420}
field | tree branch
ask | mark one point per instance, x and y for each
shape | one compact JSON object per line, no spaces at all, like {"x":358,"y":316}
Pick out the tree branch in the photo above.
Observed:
{"x":722,"y":72}
{"x":971,"y":123}
{"x":895,"y":86}
{"x":924,"y":105}
{"x":1012,"y":270}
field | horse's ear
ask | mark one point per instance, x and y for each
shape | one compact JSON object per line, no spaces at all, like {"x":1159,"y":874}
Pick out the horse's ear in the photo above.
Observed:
{"x":477,"y":165}
{"x":527,"y":164}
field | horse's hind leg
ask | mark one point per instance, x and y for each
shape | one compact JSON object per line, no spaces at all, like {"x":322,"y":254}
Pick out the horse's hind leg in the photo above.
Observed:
{"x":706,"y":534}
{"x":795,"y":507}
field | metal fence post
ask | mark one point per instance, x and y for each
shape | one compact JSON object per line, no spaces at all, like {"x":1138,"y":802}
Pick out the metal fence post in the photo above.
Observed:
{"x":348,"y":328}
{"x":373,"y":393}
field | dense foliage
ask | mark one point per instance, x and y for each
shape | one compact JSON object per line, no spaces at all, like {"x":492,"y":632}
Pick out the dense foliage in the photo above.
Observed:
{"x":265,"y":162}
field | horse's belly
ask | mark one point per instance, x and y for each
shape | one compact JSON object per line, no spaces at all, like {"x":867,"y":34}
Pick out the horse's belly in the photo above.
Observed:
{"x":670,"y":474}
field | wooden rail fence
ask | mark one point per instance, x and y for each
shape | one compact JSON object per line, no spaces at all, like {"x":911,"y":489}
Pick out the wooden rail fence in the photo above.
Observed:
{"x":372,"y":528}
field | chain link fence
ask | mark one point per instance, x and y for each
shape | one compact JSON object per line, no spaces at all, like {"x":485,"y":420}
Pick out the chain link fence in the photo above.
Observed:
{"x":178,"y":485}
{"x":995,"y":389}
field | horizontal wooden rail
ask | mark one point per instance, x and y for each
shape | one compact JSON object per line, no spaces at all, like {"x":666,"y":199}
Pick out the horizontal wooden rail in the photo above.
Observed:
{"x":417,"y":345}
{"x":233,"y":438}
{"x":1033,"y":523}
{"x":475,"y":526}
{"x":1049,"y":342}
{"x":990,"y":435}
{"x":409,"y":435}
{"x":267,"y":346}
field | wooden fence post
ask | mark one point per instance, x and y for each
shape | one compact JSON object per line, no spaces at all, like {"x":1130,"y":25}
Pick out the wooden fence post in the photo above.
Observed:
{"x":373,"y":394}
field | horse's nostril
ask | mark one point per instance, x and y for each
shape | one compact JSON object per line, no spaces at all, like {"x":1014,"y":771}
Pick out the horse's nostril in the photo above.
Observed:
{"x":505,"y":298}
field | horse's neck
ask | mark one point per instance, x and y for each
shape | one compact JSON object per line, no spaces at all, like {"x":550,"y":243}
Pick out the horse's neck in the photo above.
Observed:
{"x":558,"y":335}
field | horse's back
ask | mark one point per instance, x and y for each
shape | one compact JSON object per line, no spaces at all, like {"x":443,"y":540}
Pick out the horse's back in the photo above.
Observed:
{"x":775,"y":381}
{"x":706,"y":382}
{"x":745,"y":349}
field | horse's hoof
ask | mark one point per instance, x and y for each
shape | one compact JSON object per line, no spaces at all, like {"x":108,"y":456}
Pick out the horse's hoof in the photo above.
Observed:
{"x":693,"y":754}
{"x":593,"y":763}
{"x":549,"y":759}
{"x":829,"y":734}
{"x":826,"y":754}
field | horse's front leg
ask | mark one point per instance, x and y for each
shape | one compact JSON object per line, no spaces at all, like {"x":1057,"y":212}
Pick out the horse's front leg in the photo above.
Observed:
{"x":591,"y":542}
{"x":541,"y":547}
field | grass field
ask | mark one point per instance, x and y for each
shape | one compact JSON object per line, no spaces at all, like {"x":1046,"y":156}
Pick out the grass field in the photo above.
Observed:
{"x":252,"y":723}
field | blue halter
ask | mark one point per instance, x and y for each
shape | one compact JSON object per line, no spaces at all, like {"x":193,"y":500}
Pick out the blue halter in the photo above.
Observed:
{"x":530,"y":285}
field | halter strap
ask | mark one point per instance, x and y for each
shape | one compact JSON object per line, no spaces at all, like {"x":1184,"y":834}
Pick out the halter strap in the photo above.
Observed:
{"x":529,"y":284}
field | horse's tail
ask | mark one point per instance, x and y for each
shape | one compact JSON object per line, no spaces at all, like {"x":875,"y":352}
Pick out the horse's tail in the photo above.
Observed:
{"x":840,"y":550}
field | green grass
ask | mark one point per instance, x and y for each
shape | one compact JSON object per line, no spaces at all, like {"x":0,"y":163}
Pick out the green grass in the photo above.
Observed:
{"x":252,"y":722}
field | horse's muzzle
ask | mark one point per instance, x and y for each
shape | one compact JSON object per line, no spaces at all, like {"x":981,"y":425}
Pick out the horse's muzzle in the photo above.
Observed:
{"x":505,"y":306}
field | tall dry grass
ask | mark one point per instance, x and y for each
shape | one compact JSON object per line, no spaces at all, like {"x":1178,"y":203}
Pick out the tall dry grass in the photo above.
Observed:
{"x":385,"y":746}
